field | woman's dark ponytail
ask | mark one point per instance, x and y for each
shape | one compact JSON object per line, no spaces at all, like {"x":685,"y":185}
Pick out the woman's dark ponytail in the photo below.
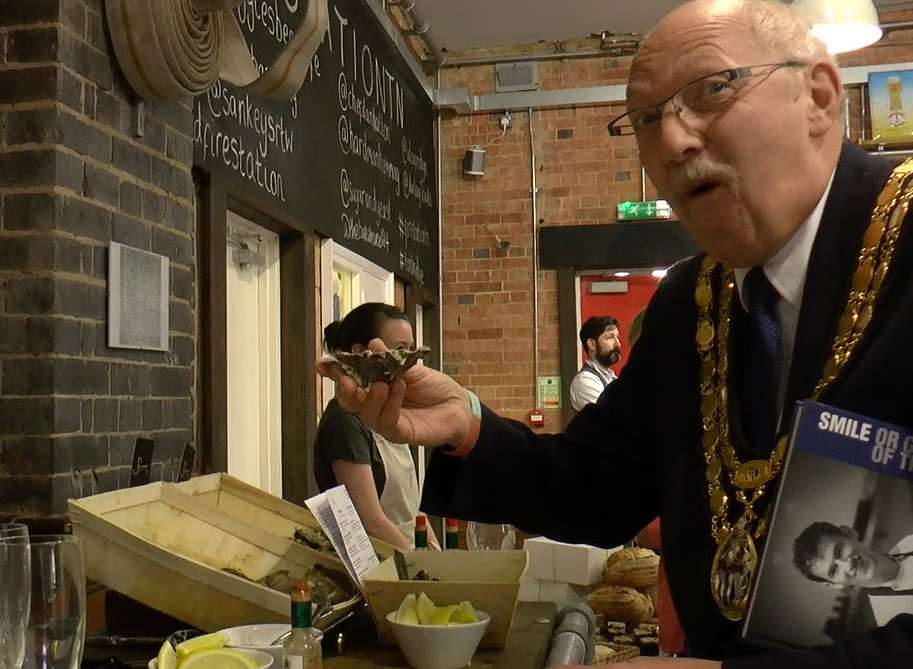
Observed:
{"x":360,"y":326}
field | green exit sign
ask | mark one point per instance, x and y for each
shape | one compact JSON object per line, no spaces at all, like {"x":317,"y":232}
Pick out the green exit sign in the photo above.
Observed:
{"x":640,"y":211}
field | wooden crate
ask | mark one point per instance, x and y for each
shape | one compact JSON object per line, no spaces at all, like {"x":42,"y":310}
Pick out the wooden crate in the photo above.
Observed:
{"x":488,"y":579}
{"x":240,"y":500}
{"x":168,"y":550}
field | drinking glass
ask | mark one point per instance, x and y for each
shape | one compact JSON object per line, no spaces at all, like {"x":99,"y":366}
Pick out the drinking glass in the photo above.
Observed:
{"x":15,"y":587}
{"x":485,"y":537}
{"x":13,"y":530}
{"x":56,"y":624}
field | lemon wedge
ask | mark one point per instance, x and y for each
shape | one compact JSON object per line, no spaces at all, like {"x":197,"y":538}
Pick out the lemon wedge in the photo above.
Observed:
{"x":217,"y":658}
{"x":424,"y":609}
{"x":442,"y":615}
{"x":167,"y":658}
{"x":200,"y":643}
{"x":465,"y":613}
{"x":406,"y":612}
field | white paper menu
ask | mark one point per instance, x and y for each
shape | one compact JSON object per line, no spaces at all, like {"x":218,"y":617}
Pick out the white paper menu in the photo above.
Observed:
{"x":337,"y":516}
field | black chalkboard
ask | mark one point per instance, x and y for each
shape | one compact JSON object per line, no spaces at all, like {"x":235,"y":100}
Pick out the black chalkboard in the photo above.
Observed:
{"x":351,"y":156}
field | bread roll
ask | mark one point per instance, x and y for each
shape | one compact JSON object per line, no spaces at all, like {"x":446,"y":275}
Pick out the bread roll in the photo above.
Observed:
{"x":633,"y":567}
{"x":621,"y":603}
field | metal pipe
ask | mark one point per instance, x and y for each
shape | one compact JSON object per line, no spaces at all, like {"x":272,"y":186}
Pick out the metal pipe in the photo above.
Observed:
{"x":896,"y":25}
{"x":572,"y":642}
{"x":892,"y":152}
{"x":863,"y":102}
{"x":643,"y":183}
{"x":440,"y":230}
{"x":590,"y":53}
{"x":846,"y":114}
{"x":533,"y":194}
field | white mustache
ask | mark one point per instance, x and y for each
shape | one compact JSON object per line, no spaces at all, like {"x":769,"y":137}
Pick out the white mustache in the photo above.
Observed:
{"x":698,"y":171}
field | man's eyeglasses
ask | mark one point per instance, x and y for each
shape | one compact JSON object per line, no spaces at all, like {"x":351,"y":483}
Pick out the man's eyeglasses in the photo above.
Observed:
{"x":703,"y":95}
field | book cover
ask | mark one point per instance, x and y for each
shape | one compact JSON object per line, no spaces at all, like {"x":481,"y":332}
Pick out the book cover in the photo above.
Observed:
{"x":838,"y":558}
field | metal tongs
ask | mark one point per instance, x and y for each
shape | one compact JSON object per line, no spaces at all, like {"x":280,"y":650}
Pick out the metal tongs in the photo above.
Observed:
{"x":326,"y":617}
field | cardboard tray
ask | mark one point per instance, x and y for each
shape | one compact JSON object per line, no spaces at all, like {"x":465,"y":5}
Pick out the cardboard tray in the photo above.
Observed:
{"x":243,"y":501}
{"x":488,"y":579}
{"x":167,"y":549}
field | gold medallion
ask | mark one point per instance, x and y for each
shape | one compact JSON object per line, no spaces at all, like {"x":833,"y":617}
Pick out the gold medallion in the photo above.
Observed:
{"x":727,"y":478}
{"x":733,"y":571}
{"x":704,"y":334}
{"x":751,"y":474}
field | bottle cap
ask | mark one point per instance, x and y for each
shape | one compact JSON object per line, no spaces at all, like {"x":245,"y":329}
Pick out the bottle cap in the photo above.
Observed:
{"x":421,"y":521}
{"x":453,"y":522}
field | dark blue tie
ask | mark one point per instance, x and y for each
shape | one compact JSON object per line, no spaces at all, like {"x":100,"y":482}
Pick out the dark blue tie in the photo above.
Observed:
{"x":763,"y":361}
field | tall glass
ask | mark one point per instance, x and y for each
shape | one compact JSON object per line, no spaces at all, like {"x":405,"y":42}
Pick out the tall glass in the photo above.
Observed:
{"x":485,"y":537}
{"x":896,"y":115}
{"x":56,"y":626}
{"x":15,"y":589}
{"x":13,"y":530}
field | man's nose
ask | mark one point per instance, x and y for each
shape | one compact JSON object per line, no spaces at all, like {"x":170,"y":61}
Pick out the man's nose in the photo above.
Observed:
{"x":681,"y":133}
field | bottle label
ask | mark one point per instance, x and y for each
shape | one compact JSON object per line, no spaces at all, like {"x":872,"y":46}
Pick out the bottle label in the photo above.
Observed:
{"x":298,"y":662}
{"x":301,"y":615}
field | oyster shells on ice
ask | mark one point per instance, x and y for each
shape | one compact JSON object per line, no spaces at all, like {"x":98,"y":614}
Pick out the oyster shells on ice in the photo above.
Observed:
{"x":370,"y":366}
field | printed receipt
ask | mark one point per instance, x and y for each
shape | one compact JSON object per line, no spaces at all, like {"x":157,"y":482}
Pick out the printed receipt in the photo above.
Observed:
{"x":337,"y":516}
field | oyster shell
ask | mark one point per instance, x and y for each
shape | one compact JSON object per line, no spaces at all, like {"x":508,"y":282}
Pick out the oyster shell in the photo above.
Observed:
{"x":370,"y":366}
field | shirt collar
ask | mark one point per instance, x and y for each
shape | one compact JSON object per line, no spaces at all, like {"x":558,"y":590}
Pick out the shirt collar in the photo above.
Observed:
{"x":787,"y":268}
{"x":599,"y":367}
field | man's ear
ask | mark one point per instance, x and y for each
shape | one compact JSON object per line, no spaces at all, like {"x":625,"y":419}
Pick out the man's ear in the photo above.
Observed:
{"x":591,"y":346}
{"x":825,"y":99}
{"x":357,"y":348}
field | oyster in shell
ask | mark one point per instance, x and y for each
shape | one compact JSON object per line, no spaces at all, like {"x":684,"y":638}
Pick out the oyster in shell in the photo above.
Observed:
{"x":370,"y":366}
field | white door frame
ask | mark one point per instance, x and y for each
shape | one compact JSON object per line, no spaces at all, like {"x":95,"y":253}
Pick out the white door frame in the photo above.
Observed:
{"x":269,"y":345}
{"x":331,"y":253}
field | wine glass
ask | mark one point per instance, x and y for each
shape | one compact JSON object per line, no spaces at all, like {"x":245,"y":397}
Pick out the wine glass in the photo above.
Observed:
{"x":15,"y":588}
{"x":55,"y":631}
{"x":486,"y":537}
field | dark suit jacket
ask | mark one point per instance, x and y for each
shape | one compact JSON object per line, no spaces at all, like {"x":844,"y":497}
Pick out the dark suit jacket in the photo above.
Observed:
{"x":636,"y":453}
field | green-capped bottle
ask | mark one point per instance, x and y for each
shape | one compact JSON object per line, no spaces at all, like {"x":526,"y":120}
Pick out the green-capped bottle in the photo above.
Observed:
{"x":421,"y":533}
{"x":452,"y":534}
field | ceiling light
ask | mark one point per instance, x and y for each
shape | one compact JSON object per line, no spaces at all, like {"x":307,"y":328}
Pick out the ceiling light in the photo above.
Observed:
{"x":622,"y":275}
{"x":658,"y":273}
{"x":843,"y":25}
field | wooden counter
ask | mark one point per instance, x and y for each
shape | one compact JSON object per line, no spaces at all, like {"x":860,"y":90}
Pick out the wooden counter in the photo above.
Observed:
{"x":526,"y":648}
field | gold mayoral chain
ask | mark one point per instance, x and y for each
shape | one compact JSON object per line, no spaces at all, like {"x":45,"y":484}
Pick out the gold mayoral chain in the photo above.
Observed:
{"x":736,"y":558}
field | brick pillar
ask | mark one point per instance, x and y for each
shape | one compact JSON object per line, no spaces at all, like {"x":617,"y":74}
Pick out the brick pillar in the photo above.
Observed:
{"x":75,"y":174}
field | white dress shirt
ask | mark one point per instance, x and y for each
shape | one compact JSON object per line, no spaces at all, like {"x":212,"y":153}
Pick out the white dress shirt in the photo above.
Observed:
{"x":786,"y":271}
{"x":587,"y":386}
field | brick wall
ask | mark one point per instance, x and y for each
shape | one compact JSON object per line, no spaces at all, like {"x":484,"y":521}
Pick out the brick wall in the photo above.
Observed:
{"x":487,"y":290}
{"x":75,"y":175}
{"x":582,"y":175}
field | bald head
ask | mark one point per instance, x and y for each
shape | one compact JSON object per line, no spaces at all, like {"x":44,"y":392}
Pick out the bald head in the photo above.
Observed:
{"x":779,"y":33}
{"x":746,"y":152}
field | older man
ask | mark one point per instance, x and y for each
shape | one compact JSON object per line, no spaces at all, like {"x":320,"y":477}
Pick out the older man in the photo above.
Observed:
{"x":805,"y":290}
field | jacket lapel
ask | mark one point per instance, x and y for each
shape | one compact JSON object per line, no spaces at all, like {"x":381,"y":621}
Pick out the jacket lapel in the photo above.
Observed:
{"x":857,"y":182}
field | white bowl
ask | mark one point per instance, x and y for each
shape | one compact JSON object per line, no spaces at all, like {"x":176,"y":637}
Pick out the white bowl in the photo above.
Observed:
{"x":263,"y":660}
{"x":439,"y":646}
{"x":259,"y":637}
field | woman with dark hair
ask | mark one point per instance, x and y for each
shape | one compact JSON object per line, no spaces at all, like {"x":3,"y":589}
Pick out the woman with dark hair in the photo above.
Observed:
{"x":378,"y":474}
